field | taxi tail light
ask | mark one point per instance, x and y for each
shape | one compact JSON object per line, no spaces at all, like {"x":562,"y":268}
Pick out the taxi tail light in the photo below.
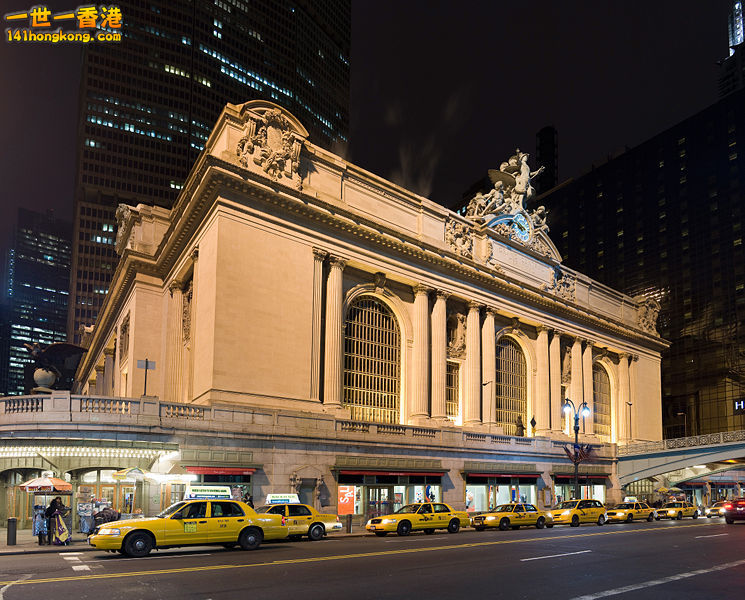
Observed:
{"x":727,"y":506}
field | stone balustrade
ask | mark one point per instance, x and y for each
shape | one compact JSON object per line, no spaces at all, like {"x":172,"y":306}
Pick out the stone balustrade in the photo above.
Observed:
{"x":708,"y":439}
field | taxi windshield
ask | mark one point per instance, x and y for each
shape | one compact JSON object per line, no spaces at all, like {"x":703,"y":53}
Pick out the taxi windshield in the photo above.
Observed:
{"x":568,"y":504}
{"x":505,"y":508}
{"x":171,"y":509}
{"x":673,"y":505}
{"x":407,"y":508}
{"x":624,"y":505}
{"x":263,"y":509}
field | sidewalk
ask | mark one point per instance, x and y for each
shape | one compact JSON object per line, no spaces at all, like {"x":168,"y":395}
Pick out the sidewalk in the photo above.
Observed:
{"x":28,"y":544}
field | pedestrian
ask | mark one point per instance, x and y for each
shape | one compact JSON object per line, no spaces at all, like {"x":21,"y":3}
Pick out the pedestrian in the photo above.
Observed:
{"x":250,"y":500}
{"x":50,"y":517}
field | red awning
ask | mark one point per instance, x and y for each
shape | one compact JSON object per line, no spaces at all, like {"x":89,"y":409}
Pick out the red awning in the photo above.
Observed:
{"x":505,"y":475}
{"x":220,"y":470}
{"x":582,"y":476}
{"x":431,"y":473}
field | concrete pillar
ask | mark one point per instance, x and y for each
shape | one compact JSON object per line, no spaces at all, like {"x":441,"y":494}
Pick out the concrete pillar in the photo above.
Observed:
{"x":556,"y":398}
{"x":108,"y":372}
{"x":473,"y":366}
{"x":439,"y":355}
{"x":543,"y":391}
{"x":315,"y":349}
{"x":488,"y":368}
{"x":334,"y":367}
{"x":587,"y":386}
{"x":622,"y":407}
{"x":419,"y":408}
{"x":175,"y":344}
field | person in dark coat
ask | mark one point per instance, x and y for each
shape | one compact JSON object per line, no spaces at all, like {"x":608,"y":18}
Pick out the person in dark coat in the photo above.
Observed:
{"x":50,"y":513}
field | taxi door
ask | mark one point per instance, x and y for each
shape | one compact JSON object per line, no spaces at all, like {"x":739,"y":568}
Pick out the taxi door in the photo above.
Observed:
{"x":641,"y":511}
{"x":225,"y":522}
{"x":588,"y":512}
{"x":520,"y":517}
{"x":442,"y":514}
{"x":425,"y":517}
{"x":299,"y":518}
{"x":187,"y":526}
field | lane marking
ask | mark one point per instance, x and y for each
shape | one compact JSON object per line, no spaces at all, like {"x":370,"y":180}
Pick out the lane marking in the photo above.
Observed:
{"x":81,"y":568}
{"x":115,"y":560}
{"x":69,"y":553}
{"x":346,"y":556}
{"x":662,"y":581}
{"x":19,"y":580}
{"x":554,"y":555}
{"x":708,"y":536}
{"x":71,"y":558}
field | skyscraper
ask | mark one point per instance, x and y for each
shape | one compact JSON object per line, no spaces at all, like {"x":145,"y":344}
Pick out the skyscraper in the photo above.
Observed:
{"x":732,"y":76}
{"x":148,"y":104}
{"x":665,"y":219}
{"x":35,"y":293}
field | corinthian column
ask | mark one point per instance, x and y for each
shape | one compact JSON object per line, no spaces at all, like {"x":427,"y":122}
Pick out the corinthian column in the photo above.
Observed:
{"x":624,"y":397}
{"x":315,"y":349}
{"x":587,"y":386}
{"x":419,"y":408}
{"x":334,"y":367}
{"x":439,"y":355}
{"x":557,"y":400}
{"x":543,"y":391}
{"x":175,"y":343}
{"x":108,"y":372}
{"x":488,"y":369}
{"x":473,"y":366}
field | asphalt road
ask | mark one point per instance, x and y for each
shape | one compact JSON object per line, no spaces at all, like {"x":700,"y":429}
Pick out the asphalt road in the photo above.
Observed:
{"x":699,"y":559}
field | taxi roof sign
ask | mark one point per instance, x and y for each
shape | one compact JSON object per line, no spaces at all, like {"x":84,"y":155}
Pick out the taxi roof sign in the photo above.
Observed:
{"x":208,"y":492}
{"x":282,"y":499}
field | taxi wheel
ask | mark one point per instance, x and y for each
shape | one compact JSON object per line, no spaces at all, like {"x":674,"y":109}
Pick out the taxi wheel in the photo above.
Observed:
{"x":316,"y":532}
{"x":695,"y":514}
{"x":138,"y":545}
{"x":630,"y":518}
{"x":454,"y":526}
{"x":404,"y":528}
{"x":650,"y":517}
{"x":680,"y":516}
{"x":504,"y":524}
{"x":540,"y":523}
{"x":575,"y":521}
{"x":601,"y":520}
{"x":250,"y":538}
{"x":381,"y":533}
{"x":729,"y":521}
{"x":429,"y":531}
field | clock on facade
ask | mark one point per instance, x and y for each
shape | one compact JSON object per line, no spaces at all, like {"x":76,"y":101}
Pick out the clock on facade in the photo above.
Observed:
{"x":521,"y":226}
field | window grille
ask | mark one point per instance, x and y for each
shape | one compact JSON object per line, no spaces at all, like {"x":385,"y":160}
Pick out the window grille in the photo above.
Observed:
{"x":452,"y":391}
{"x":601,"y":401}
{"x":511,"y":385}
{"x":372,"y":362}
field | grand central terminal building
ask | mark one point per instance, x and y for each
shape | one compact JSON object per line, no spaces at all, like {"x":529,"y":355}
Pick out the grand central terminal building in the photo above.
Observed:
{"x":296,"y":323}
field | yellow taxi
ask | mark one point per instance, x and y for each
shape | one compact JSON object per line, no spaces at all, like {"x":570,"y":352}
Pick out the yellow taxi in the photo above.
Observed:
{"x":196,"y":522}
{"x":574,"y":512}
{"x":512,"y":515}
{"x":303,"y":519}
{"x":677,"y":510}
{"x":715,"y":510}
{"x":420,"y":516}
{"x":628,"y":511}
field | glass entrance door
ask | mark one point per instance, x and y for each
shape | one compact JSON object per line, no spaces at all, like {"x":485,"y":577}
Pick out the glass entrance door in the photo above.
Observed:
{"x":380,"y":501}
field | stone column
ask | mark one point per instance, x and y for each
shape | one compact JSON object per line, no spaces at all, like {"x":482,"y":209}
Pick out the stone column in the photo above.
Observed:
{"x":108,"y":371}
{"x":556,"y":398}
{"x":472,"y":403}
{"x":488,"y":368}
{"x":587,"y":386}
{"x":315,"y":347}
{"x":543,"y":391}
{"x":622,"y":408}
{"x":92,"y":387}
{"x":193,"y":324}
{"x":439,"y":355}
{"x":100,"y":388}
{"x":576,"y":388}
{"x":419,"y":408}
{"x":334,"y":368}
{"x":175,"y":343}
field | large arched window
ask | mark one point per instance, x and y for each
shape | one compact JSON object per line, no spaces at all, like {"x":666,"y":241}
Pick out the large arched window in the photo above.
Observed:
{"x":601,"y":402}
{"x":372,"y":362}
{"x":511,"y":385}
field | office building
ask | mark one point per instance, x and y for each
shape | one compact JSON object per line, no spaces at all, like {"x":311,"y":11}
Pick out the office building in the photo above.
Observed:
{"x":148,"y":104}
{"x":35,"y":293}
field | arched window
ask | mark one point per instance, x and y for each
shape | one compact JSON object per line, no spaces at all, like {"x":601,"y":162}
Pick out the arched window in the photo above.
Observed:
{"x":511,"y":385}
{"x":372,"y":362}
{"x":601,"y":401}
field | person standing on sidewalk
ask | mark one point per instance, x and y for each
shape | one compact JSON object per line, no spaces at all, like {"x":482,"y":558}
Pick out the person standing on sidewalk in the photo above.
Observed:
{"x":50,"y":515}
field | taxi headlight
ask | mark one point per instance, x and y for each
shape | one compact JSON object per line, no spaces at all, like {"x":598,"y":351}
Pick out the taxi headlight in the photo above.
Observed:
{"x":566,"y":513}
{"x":388,"y":521}
{"x":671,"y":511}
{"x":109,"y":532}
{"x":491,"y":518}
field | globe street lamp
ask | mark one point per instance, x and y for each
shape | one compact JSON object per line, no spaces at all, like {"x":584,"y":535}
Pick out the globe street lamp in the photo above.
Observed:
{"x":584,"y":410}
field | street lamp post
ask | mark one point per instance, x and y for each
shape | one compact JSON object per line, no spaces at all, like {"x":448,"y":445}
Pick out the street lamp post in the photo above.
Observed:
{"x":685,"y":422}
{"x":584,"y":410}
{"x":629,"y":431}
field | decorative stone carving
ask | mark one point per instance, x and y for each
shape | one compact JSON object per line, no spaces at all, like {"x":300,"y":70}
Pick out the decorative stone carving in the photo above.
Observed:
{"x":649,"y":310}
{"x":186,"y":311}
{"x":379,"y":279}
{"x":515,"y":325}
{"x":563,"y":285}
{"x":124,"y":339}
{"x":540,"y":247}
{"x":271,"y":144}
{"x":456,"y":327}
{"x":459,"y":237}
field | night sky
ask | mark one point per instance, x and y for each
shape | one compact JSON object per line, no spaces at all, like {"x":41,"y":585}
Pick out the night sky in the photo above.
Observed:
{"x":441,"y":91}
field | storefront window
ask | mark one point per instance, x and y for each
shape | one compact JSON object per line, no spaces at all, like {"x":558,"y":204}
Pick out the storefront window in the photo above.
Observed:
{"x":483,"y":494}
{"x":593,"y":491}
{"x":385,"y":494}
